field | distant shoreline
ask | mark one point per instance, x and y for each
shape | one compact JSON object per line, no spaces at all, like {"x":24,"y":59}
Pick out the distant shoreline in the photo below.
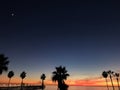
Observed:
{"x":24,"y":88}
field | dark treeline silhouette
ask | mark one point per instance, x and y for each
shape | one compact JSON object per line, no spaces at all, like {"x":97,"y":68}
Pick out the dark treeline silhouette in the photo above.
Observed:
{"x":22,"y":75}
{"x":10,"y":75}
{"x":43,"y":78}
{"x":111,"y":75}
{"x":117,"y":78}
{"x":105,"y":75}
{"x":60,"y":75}
{"x":3,"y":63}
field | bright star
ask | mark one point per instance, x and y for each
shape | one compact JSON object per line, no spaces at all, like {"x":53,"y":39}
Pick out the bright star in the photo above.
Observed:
{"x":12,"y":14}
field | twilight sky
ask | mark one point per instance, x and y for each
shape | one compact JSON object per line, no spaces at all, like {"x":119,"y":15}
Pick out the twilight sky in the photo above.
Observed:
{"x":39,"y":35}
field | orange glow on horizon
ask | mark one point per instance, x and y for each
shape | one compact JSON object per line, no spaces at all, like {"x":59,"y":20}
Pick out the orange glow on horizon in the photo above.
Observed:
{"x":80,"y":82}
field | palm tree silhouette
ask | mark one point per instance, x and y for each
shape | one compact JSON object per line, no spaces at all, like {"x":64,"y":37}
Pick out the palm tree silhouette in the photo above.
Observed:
{"x":22,"y":75}
{"x":3,"y":63}
{"x":117,"y":78}
{"x":10,"y":75}
{"x":60,"y":75}
{"x":43,"y":78}
{"x":111,"y":73}
{"x":105,"y":75}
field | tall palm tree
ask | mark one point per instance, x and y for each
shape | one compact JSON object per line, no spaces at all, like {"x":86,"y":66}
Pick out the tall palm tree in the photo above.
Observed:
{"x":10,"y":75}
{"x":22,"y":75}
{"x":105,"y":75}
{"x":3,"y":63}
{"x":60,"y":75}
{"x":117,"y":78}
{"x":43,"y":78}
{"x":111,"y":73}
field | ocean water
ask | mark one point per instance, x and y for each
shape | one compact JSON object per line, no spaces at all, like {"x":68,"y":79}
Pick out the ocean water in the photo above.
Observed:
{"x":80,"y":88}
{"x":73,"y":88}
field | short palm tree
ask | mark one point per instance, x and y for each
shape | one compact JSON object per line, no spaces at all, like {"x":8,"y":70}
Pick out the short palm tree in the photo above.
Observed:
{"x":3,"y":63}
{"x":43,"y":78}
{"x":105,"y":75}
{"x":111,"y":73}
{"x":60,"y":75}
{"x":117,"y":78}
{"x":22,"y":75}
{"x":10,"y":75}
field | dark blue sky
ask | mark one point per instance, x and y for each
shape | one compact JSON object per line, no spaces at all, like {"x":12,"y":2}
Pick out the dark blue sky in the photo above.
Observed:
{"x":83,"y":36}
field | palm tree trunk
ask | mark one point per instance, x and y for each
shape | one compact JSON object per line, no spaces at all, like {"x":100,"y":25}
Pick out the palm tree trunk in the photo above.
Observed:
{"x":42,"y":84}
{"x":107,"y":84}
{"x":112,"y":82}
{"x":60,"y":84}
{"x":21,"y":85}
{"x":118,"y":84}
{"x":9,"y":83}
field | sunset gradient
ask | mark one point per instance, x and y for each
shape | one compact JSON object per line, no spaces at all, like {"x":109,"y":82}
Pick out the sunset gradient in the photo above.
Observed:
{"x":83,"y":36}
{"x":96,"y":81}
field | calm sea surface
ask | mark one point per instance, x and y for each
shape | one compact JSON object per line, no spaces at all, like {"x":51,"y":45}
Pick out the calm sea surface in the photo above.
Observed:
{"x":80,"y":88}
